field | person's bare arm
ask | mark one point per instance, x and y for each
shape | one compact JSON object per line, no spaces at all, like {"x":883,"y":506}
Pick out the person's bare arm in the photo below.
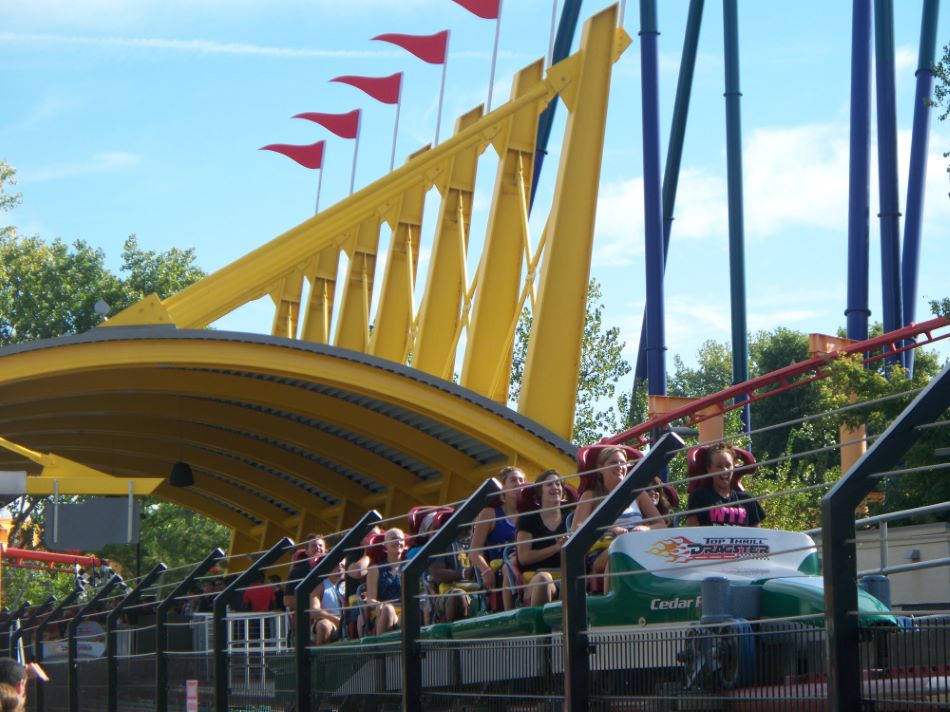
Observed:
{"x":372,"y":584}
{"x":484,"y":525}
{"x":527,"y":556}
{"x":584,"y":509}
{"x":317,"y":611}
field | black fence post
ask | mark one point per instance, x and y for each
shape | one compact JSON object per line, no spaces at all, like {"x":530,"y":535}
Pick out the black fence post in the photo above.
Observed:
{"x":21,"y":626}
{"x":40,"y":693}
{"x":13,"y":626}
{"x":14,"y":641}
{"x":839,"y":560}
{"x":409,"y":586}
{"x":161,"y":618}
{"x":220,"y":626}
{"x":302,"y":593}
{"x":72,"y":667}
{"x":112,"y":667}
{"x":573,"y":573}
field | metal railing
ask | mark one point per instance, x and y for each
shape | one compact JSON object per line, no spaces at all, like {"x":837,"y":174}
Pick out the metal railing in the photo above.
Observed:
{"x":557,"y":658}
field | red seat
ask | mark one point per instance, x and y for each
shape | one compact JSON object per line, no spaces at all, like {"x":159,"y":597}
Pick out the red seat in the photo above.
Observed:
{"x":425,"y":519}
{"x":696,"y":465}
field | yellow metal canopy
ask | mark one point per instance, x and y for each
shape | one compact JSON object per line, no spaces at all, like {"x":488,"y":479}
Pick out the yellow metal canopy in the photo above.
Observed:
{"x":350,"y":402}
{"x":283,"y":436}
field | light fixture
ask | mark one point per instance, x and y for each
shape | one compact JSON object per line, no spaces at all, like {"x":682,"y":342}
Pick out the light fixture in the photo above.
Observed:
{"x":181,"y":476}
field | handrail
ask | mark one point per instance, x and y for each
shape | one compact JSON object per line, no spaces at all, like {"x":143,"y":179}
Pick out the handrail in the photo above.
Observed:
{"x":838,"y":545}
{"x":573,"y":580}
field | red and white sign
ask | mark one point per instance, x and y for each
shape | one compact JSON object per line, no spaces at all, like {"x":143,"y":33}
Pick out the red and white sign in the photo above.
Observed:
{"x":191,"y":696}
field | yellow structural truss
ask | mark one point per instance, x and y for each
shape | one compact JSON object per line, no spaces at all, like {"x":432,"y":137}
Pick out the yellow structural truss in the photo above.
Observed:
{"x":362,"y":395}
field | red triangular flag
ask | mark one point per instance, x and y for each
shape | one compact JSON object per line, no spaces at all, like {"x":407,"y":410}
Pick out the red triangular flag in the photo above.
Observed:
{"x":384,"y":89}
{"x":307,"y":156}
{"x":487,"y":9}
{"x":343,"y":125}
{"x":428,"y":48}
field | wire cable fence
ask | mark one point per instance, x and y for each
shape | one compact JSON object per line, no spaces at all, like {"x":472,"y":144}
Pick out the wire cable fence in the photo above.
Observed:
{"x":680,"y":617}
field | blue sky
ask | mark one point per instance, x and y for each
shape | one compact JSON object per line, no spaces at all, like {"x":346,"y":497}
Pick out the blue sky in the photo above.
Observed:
{"x":145,"y":117}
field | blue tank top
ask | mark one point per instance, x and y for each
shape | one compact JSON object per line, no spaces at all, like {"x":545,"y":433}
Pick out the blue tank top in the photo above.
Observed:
{"x":388,"y":586}
{"x":502,"y":534}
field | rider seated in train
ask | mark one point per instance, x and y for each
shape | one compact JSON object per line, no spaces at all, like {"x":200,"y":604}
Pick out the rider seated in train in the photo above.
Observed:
{"x":541,"y":534}
{"x":718,"y":498}
{"x":327,"y":604}
{"x":665,"y":499}
{"x":494,"y":529}
{"x":610,"y":466}
{"x":452,"y":577}
{"x":382,"y":584}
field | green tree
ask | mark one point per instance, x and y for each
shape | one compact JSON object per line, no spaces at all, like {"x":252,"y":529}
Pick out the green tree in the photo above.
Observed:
{"x":170,"y":534}
{"x":50,"y":288}
{"x":600,"y":411}
{"x":7,"y":202}
{"x":886,"y":396}
{"x":942,"y":89}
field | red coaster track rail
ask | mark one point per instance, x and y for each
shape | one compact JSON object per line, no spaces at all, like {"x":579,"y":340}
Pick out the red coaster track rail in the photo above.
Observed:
{"x":785,"y":379}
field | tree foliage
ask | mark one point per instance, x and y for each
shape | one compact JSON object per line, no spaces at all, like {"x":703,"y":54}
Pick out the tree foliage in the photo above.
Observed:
{"x":599,"y":410}
{"x":170,"y":534}
{"x":942,"y":89}
{"x":801,"y":450}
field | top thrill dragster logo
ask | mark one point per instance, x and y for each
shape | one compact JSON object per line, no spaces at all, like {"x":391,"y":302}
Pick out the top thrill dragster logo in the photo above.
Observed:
{"x":680,"y":550}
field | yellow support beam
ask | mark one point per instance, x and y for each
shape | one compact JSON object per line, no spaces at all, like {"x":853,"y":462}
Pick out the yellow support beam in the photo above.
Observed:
{"x":394,"y":317}
{"x":549,"y":389}
{"x":73,"y":478}
{"x":487,"y":363}
{"x":104,"y":486}
{"x":445,"y":301}
{"x":242,"y":551}
{"x":352,"y":328}
{"x":321,"y":273}
{"x":286,"y":299}
{"x":253,"y":275}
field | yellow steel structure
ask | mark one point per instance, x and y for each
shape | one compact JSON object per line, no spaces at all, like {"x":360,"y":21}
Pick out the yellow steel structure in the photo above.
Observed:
{"x":352,"y":400}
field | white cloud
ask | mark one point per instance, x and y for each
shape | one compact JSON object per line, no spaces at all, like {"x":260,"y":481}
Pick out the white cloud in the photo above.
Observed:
{"x":49,"y":107}
{"x":105,"y":162}
{"x":700,"y":213}
{"x":905,"y":60}
{"x":188,"y":46}
{"x":796,"y":177}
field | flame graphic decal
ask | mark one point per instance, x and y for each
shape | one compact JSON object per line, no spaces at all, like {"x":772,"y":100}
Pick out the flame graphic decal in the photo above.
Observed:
{"x":676,"y":550}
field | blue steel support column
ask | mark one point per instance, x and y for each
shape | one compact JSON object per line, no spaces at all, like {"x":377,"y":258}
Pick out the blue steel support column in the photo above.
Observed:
{"x":859,"y":172}
{"x":674,"y":156}
{"x":920,"y":139}
{"x":566,"y":27}
{"x":652,"y":199}
{"x":887,"y":166}
{"x":740,"y":343}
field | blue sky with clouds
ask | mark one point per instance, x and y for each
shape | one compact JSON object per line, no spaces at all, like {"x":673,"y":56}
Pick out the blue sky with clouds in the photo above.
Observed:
{"x":145,"y":117}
